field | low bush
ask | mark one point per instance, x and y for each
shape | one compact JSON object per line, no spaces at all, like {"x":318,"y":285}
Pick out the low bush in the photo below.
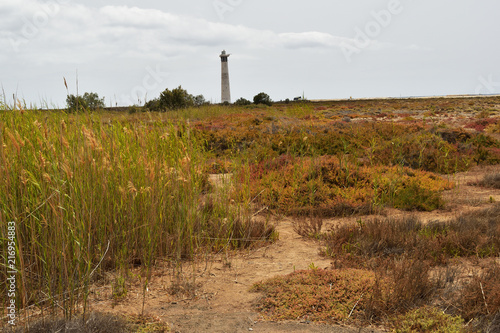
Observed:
{"x":308,"y":226}
{"x":349,"y":294}
{"x":331,"y":296}
{"x":481,"y":124}
{"x":427,"y":320}
{"x":491,"y":180}
{"x":328,"y":186}
{"x":479,"y":300}
{"x":476,"y":233}
{"x":374,"y":238}
{"x":298,"y":131}
{"x":472,"y":234}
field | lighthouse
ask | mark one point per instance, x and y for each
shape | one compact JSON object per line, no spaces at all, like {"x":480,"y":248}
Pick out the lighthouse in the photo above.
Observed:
{"x":225,"y":89}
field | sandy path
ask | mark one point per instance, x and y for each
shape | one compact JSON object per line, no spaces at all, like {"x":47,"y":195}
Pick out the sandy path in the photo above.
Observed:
{"x":226,"y":305}
{"x":223,"y":302}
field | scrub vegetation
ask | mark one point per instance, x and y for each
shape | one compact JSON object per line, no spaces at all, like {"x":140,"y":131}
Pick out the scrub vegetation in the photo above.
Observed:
{"x":94,"y":191}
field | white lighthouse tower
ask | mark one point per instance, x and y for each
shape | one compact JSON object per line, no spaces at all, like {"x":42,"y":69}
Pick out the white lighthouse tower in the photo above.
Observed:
{"x":225,"y":91}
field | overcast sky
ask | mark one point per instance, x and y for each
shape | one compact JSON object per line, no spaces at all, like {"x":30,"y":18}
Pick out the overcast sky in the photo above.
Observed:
{"x":129,"y":51}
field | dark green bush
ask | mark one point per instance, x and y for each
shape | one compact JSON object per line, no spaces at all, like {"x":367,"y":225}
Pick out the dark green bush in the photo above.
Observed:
{"x":242,"y":101}
{"x":153,"y":105}
{"x":89,"y":101}
{"x":262,"y":98}
{"x":177,"y":98}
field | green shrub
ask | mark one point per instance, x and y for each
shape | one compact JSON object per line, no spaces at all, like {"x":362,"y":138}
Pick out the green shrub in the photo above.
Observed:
{"x":93,"y":101}
{"x":427,"y":320}
{"x":413,"y":196}
{"x":177,"y":98}
{"x":89,"y":101}
{"x":242,"y":102}
{"x":134,"y":109}
{"x":332,"y":187}
{"x":76,"y":103}
{"x":262,"y":98}
{"x":153,"y":105}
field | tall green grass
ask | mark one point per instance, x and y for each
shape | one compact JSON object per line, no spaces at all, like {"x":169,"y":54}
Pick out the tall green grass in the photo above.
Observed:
{"x":89,"y":196}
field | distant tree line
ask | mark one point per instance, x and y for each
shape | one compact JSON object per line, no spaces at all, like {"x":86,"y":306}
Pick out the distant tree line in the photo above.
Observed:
{"x":177,"y":98}
{"x":260,"y":98}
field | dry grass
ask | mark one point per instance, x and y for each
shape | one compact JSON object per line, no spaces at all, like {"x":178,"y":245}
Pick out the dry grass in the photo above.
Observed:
{"x":489,"y":180}
{"x":95,"y":323}
{"x":479,"y":300}
{"x":308,"y":226}
{"x":472,"y":234}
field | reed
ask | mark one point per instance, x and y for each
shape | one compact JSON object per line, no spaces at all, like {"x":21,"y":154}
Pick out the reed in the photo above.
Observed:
{"x":89,"y":196}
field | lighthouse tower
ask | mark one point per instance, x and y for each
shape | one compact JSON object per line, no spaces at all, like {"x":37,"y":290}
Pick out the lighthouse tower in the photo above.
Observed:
{"x":225,"y":91}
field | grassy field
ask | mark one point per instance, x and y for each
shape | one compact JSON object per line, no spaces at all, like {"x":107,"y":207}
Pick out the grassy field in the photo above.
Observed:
{"x":109,"y":191}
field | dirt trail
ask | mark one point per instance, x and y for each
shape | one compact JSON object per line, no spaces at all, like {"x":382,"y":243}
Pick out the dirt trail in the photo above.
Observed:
{"x":223,"y":302}
{"x":229,"y":305}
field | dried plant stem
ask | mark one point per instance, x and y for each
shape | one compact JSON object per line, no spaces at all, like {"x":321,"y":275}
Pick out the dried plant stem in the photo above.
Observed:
{"x":484,"y":298}
{"x":354,"y":307}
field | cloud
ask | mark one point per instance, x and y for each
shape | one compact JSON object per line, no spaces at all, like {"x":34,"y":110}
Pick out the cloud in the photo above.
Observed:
{"x":152,"y":23}
{"x":76,"y":32}
{"x":178,"y":29}
{"x":311,"y":39}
